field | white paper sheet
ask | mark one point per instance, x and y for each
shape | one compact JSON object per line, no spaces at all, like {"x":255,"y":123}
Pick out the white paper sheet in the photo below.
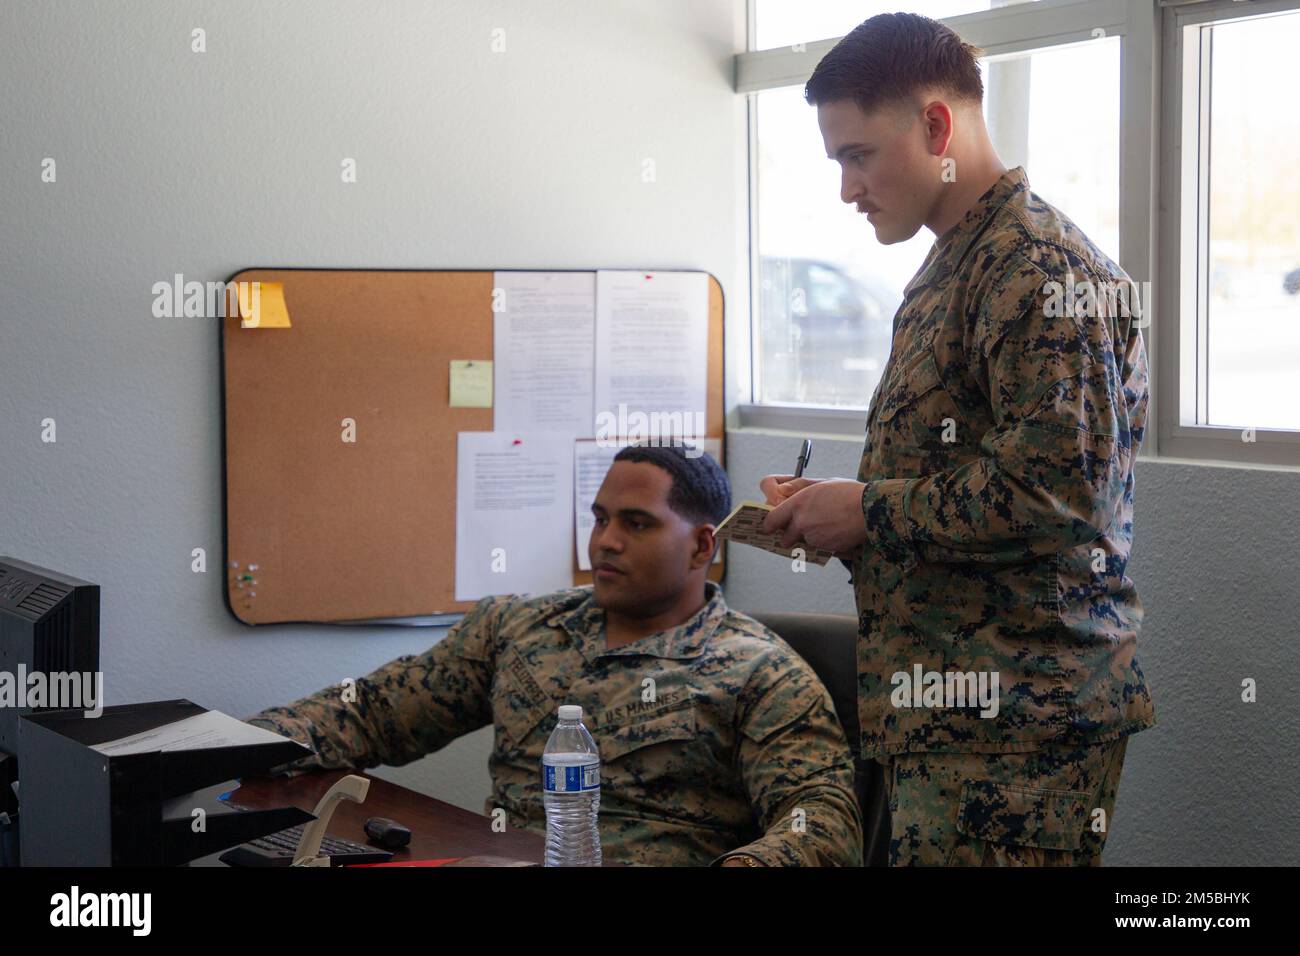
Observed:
{"x":544,"y":348}
{"x":652,"y":338}
{"x":514,"y":517}
{"x":200,"y":732}
{"x":591,"y":462}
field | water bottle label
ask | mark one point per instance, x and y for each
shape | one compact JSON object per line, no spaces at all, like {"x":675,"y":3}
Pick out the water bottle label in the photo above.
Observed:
{"x":571,"y":779}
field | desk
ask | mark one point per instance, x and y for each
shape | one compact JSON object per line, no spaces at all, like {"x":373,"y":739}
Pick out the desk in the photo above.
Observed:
{"x":438,"y":829}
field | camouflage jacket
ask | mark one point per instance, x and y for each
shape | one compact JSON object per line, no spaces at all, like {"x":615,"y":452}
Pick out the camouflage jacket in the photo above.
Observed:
{"x":714,"y":736}
{"x":998,"y":467}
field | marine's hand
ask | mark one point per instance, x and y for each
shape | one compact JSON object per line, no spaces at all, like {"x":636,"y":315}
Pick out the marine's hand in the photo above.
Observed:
{"x":777,"y":488}
{"x":826,"y":513}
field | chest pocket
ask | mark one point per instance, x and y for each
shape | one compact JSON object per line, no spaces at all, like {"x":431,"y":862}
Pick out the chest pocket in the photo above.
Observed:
{"x":519,"y":703}
{"x":655,"y":746}
{"x":915,"y":413}
{"x":909,"y":385}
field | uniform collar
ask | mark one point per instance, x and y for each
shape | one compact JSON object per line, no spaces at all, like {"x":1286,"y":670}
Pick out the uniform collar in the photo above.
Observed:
{"x":950,"y":249}
{"x":585,"y":623}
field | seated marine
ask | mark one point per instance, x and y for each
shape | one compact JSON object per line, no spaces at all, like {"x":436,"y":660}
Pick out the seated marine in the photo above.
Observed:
{"x":718,"y":743}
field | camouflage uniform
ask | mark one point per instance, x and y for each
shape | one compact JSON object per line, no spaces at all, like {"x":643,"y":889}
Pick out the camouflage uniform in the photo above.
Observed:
{"x":1047,"y":807}
{"x":998,"y":504}
{"x":738,"y":748}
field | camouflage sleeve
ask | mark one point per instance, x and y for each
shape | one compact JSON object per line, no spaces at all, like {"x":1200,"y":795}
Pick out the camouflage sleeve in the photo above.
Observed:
{"x":1057,"y":463}
{"x":408,"y":708}
{"x":798,"y":771}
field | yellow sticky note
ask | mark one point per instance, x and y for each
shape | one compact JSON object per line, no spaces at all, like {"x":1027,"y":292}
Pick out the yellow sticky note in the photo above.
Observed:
{"x":471,"y":383}
{"x":261,"y":306}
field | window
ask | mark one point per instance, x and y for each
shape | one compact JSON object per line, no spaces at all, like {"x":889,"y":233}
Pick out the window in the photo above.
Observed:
{"x":1227,"y":323}
{"x":1240,"y":247}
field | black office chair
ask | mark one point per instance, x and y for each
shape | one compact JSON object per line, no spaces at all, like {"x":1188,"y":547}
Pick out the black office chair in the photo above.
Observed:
{"x":828,"y":642}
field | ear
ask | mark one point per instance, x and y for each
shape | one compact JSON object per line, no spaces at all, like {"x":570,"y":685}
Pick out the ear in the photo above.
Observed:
{"x":705,"y":541}
{"x":936,"y":120}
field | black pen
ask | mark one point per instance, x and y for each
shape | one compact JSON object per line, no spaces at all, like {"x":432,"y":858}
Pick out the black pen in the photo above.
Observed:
{"x":805,"y":455}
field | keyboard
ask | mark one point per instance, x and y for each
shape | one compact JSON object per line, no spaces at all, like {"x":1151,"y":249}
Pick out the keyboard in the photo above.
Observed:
{"x":278,"y":849}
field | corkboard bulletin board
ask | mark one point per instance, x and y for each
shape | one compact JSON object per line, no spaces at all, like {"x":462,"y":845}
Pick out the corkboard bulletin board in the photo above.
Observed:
{"x":333,"y":531}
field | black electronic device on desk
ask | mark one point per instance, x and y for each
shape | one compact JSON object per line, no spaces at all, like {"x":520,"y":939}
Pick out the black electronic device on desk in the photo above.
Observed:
{"x":49,"y":625}
{"x":125,"y":788}
{"x":387,"y":833}
{"x":279,"y":849}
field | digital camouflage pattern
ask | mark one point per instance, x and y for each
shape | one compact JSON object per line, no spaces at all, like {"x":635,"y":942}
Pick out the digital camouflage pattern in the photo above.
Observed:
{"x":1048,"y":807}
{"x":998,"y":466}
{"x":714,"y":736}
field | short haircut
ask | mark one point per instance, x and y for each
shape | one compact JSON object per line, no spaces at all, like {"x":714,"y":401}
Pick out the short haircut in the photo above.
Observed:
{"x":892,"y":58}
{"x":700,"y":492}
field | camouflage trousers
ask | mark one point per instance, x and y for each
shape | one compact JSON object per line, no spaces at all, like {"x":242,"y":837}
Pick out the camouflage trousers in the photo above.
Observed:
{"x":995,"y":809}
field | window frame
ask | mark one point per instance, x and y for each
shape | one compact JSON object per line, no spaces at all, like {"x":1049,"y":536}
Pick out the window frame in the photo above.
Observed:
{"x":1150,"y":34}
{"x":1175,"y":339}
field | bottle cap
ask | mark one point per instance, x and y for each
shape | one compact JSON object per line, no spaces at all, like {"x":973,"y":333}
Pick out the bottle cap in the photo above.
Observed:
{"x":570,"y":712}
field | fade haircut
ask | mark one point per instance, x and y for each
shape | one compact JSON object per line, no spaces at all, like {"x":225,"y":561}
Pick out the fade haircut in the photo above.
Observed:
{"x":700,"y":492}
{"x":891,"y":58}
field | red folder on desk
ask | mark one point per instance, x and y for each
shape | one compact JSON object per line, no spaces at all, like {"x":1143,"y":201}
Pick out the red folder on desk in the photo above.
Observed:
{"x":450,"y":859}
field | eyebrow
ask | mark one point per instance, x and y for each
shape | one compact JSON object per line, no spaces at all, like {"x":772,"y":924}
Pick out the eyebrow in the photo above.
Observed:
{"x":626,"y":512}
{"x":846,"y":148}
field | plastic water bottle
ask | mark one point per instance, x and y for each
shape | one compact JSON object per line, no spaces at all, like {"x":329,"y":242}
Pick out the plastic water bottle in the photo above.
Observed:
{"x":571,"y":792}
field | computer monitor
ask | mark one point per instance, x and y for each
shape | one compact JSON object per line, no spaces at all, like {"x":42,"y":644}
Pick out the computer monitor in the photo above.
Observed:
{"x":49,"y":625}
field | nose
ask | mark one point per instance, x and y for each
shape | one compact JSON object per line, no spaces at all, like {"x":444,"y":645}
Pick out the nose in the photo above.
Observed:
{"x":606,"y":540}
{"x":850,"y":188}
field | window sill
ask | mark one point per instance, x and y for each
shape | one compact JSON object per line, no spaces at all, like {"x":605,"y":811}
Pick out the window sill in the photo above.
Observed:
{"x":1220,"y":447}
{"x":804,"y":420}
